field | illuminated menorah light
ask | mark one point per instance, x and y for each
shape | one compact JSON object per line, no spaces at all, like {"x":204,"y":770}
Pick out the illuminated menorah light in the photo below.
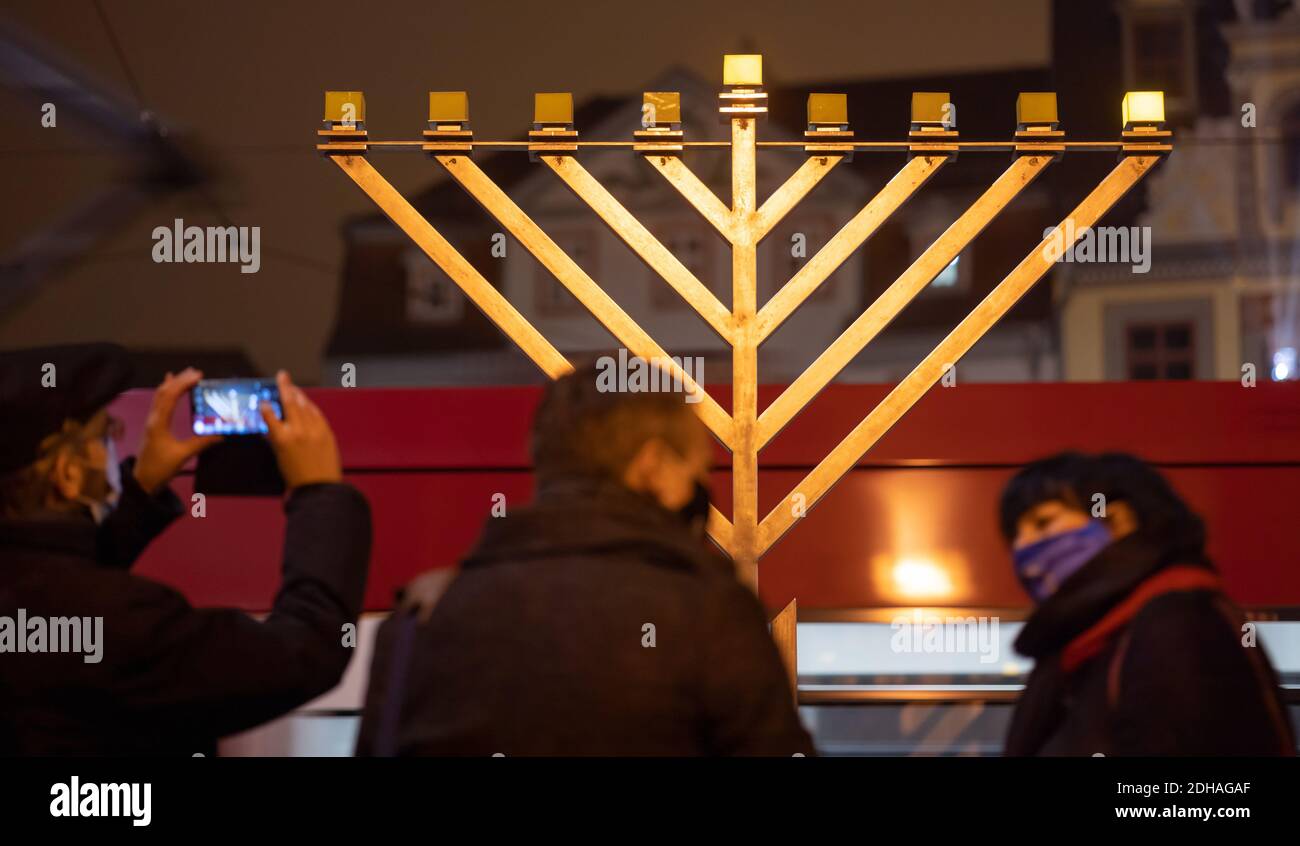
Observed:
{"x":932,"y":143}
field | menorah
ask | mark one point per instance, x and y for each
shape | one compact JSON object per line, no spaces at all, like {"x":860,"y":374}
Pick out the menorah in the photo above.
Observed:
{"x":932,"y":143}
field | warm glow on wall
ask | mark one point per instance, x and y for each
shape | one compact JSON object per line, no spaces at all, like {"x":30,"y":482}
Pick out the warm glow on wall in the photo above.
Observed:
{"x":939,"y":577}
{"x":921,"y":578}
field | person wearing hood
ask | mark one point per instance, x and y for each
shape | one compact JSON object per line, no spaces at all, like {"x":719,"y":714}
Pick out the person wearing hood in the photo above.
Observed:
{"x":98,"y":661}
{"x":596,"y":620}
{"x":1137,"y":649}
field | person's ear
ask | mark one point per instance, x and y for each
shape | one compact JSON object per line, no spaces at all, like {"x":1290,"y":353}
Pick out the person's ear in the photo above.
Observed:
{"x":639,"y":472}
{"x":1120,"y":519}
{"x":68,"y":475}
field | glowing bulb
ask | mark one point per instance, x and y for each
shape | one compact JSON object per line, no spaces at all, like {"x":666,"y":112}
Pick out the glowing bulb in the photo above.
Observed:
{"x":742,"y":71}
{"x":1284,"y":364}
{"x":1143,"y":108}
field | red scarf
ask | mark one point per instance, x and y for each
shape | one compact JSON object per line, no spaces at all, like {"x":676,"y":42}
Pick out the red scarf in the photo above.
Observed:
{"x":1168,"y":580}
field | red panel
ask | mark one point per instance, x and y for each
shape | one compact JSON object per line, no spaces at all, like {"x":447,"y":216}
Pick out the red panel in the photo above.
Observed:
{"x":1166,"y":422}
{"x":421,"y":520}
{"x":847,"y":552}
{"x":924,"y":499}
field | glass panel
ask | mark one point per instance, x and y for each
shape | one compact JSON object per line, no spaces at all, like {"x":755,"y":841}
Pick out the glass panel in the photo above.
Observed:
{"x":1143,"y":371}
{"x":917,"y":728}
{"x":954,"y":650}
{"x":922,"y":650}
{"x":1159,"y":58}
{"x":1142,"y":337}
{"x":947,"y":277}
{"x":939,"y":695}
{"x":1178,"y":337}
{"x":301,"y":734}
{"x":909,"y":728}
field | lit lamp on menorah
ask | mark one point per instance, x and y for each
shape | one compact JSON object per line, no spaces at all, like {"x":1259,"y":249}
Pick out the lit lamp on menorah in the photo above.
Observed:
{"x":932,"y":142}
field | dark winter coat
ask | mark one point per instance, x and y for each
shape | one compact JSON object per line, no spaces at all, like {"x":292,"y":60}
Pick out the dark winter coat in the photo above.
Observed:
{"x":590,"y":623}
{"x":1140,"y":653}
{"x":172,"y":678}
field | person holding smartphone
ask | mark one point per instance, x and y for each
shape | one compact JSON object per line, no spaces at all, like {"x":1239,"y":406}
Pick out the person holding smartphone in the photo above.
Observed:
{"x":153,"y":674}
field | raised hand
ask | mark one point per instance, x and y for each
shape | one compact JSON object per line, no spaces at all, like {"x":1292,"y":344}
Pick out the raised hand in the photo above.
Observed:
{"x":303,"y":441}
{"x":162,"y":454}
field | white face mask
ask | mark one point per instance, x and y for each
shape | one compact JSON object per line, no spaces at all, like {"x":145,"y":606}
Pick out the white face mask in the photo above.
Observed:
{"x":100,"y":509}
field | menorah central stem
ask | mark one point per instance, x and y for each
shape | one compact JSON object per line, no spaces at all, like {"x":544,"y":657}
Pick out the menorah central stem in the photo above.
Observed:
{"x":744,"y":357}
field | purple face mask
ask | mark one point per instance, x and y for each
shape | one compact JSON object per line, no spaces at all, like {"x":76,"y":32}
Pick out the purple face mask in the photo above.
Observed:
{"x":1042,"y":566}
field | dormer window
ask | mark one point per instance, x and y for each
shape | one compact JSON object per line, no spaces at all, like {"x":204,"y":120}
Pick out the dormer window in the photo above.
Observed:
{"x":1160,"y":51}
{"x":432,"y":299}
{"x":791,"y":246}
{"x":551,"y":298}
{"x":696,"y":248}
{"x":926,"y":225}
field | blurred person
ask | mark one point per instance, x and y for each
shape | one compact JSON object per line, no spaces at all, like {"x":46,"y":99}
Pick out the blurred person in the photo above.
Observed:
{"x":1137,"y":650}
{"x":598,"y":620}
{"x":166,"y":678}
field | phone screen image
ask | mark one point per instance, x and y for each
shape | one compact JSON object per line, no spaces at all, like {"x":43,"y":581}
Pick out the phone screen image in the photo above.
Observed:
{"x":230,"y":406}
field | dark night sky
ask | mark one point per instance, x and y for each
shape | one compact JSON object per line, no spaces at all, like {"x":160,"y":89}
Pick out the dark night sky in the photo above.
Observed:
{"x":245,"y":79}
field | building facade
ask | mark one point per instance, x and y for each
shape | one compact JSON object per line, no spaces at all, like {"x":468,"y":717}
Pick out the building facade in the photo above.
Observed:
{"x":1219,"y":297}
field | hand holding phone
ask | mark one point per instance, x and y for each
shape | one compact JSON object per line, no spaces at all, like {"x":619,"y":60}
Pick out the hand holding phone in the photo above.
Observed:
{"x":162,"y":455}
{"x":296,"y":432}
{"x":301,"y":437}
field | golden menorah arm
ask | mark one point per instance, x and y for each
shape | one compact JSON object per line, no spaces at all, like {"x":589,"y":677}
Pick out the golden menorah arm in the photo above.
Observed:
{"x":851,"y":236}
{"x":991,"y":309}
{"x":480,"y":291}
{"x":785,"y":631}
{"x":720,"y":529}
{"x":901,"y":292}
{"x":583,"y":287}
{"x":699,"y":195}
{"x":791,"y":192}
{"x":649,"y":248}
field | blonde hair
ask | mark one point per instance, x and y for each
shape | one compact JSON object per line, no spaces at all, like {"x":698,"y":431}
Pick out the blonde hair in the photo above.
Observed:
{"x":25,"y":492}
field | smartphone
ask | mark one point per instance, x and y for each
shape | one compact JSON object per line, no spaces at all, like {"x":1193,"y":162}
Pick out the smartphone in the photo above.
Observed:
{"x":230,"y":406}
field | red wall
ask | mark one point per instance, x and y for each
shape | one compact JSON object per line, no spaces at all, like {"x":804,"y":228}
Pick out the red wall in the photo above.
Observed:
{"x":430,"y":460}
